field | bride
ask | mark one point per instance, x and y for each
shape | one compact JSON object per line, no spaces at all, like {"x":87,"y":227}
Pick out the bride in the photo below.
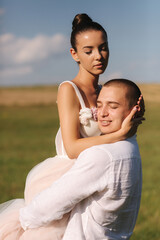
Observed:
{"x":78,"y":129}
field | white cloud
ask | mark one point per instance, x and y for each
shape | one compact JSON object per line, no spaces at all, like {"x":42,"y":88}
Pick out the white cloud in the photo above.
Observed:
{"x":6,"y":38}
{"x":2,"y":11}
{"x":24,"y":50}
{"x":15,"y":71}
{"x":39,"y":48}
{"x":18,"y":55}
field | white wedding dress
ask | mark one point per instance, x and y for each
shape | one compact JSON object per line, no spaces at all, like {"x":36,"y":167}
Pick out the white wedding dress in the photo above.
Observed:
{"x":41,"y":177}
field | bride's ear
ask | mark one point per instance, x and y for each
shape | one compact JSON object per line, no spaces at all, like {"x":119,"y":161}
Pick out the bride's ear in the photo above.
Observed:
{"x":74,"y":55}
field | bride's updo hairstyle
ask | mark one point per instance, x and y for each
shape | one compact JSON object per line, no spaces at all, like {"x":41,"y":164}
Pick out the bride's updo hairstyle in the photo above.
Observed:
{"x":82,"y":23}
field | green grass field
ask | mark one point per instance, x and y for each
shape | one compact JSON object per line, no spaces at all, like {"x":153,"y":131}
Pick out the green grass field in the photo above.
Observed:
{"x":27,"y":137}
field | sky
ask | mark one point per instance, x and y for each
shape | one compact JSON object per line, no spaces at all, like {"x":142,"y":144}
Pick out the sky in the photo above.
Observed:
{"x":35,"y":39}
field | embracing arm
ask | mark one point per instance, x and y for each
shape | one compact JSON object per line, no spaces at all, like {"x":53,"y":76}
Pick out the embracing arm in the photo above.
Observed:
{"x":86,"y":177}
{"x":68,"y":107}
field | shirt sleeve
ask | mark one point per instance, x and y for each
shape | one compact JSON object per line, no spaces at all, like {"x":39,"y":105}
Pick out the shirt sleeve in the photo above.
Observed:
{"x":86,"y":177}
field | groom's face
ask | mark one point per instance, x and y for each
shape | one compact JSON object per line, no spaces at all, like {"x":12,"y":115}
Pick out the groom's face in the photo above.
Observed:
{"x":113,"y":108}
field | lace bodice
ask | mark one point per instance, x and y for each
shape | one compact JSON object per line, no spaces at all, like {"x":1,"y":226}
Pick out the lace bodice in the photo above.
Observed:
{"x":88,"y":124}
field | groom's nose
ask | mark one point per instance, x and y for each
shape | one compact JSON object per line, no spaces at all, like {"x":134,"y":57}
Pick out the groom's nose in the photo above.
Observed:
{"x":104,"y":111}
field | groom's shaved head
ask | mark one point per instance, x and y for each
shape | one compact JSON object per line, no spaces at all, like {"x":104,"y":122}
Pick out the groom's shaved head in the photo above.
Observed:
{"x":132,"y":94}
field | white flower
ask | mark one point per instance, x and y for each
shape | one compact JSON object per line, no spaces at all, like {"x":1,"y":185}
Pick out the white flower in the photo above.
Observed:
{"x":84,"y":115}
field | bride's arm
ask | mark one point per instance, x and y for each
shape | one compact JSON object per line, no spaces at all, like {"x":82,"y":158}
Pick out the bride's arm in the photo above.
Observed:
{"x":68,"y":108}
{"x":61,"y":197}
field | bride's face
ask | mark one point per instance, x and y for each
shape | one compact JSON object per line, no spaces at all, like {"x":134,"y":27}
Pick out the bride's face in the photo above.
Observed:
{"x":92,"y":51}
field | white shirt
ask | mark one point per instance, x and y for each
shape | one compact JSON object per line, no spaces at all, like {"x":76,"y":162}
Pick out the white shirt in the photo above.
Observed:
{"x":103,"y":190}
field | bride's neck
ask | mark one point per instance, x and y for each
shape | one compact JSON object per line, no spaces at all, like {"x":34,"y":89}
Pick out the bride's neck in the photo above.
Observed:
{"x":88,"y":81}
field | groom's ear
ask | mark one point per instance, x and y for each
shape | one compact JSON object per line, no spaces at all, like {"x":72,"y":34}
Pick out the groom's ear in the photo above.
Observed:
{"x":74,"y":55}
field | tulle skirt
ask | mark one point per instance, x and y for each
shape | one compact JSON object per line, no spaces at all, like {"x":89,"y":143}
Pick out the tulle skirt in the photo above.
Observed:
{"x":38,"y":179}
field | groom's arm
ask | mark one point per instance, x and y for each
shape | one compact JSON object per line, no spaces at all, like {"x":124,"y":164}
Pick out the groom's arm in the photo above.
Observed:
{"x":85,"y":178}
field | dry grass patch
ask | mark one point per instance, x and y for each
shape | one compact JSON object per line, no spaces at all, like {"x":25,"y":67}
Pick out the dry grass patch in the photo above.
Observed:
{"x":28,"y":96}
{"x":151,"y":92}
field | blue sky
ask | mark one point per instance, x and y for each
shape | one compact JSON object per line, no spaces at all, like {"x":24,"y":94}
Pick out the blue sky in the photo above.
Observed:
{"x":34,"y":39}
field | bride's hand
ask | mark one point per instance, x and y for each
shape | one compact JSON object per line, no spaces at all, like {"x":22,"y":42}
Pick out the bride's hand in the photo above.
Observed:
{"x":134,"y":119}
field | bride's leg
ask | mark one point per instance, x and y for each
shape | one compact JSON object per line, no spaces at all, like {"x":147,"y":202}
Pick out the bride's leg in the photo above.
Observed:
{"x":44,"y":174}
{"x":41,"y":177}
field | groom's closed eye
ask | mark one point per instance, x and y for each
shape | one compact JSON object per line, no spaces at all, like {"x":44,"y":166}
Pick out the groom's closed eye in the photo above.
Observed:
{"x":113,"y":105}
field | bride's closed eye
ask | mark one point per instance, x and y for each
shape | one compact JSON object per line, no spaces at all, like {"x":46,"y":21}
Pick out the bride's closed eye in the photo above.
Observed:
{"x":88,"y":52}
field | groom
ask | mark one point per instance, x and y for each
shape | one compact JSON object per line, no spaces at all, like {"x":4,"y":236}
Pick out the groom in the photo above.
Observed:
{"x":103,"y":189}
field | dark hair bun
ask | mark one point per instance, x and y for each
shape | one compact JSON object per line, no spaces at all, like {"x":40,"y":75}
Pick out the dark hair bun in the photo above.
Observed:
{"x":82,"y":18}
